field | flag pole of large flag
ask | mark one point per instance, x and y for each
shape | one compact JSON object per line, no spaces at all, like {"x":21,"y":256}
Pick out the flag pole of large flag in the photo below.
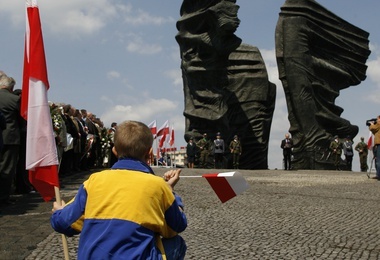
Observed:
{"x":41,"y":152}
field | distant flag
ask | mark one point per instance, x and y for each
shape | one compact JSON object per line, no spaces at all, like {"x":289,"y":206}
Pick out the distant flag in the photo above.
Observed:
{"x":153,"y":128}
{"x":171,"y":140}
{"x":164,"y":129}
{"x":41,"y":152}
{"x":226,"y":185}
{"x":370,"y":141}
{"x":162,"y":133}
{"x":162,"y":141}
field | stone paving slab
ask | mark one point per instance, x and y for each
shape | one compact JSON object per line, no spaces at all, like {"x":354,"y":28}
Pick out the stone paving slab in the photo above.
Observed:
{"x":283,"y":215}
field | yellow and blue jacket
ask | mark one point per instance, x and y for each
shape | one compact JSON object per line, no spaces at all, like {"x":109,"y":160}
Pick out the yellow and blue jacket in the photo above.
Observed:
{"x":122,"y":213}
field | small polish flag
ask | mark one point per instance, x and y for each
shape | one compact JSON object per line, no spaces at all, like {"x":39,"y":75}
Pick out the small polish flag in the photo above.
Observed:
{"x":370,"y":141}
{"x":226,"y":185}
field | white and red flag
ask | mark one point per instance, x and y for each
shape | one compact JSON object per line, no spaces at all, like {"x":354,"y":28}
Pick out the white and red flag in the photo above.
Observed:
{"x":370,"y":141}
{"x":171,"y":139}
{"x":226,"y":185}
{"x":162,"y":133}
{"x":153,"y":128}
{"x":41,"y":152}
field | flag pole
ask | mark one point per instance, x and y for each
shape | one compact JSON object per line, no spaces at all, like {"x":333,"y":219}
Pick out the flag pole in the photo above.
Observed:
{"x":64,"y":239}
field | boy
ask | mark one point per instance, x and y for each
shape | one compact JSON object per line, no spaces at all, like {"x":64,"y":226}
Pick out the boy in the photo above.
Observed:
{"x":126,"y":212}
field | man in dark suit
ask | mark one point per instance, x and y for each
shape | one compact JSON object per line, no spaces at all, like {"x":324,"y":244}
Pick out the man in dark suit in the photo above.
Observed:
{"x":287,"y":145}
{"x":10,"y":107}
{"x":3,"y":125}
{"x":93,"y":131}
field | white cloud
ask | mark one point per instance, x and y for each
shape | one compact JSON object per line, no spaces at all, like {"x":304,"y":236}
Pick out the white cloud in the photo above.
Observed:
{"x":75,"y":18}
{"x":374,"y":76}
{"x":269,"y":57}
{"x":137,"y":45}
{"x":113,"y":75}
{"x":144,"y":111}
{"x":373,"y":71}
{"x":144,"y":18}
{"x":69,"y":17}
{"x":176,"y":76}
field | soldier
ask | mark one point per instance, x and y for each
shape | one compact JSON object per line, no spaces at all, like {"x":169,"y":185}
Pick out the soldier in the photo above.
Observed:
{"x":236,"y":150}
{"x":362,"y":149}
{"x":218,"y":151}
{"x":204,"y":146}
{"x":348,"y":152}
{"x":336,"y":151}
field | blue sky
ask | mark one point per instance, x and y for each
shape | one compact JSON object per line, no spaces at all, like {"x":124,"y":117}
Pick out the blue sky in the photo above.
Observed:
{"x":119,"y":58}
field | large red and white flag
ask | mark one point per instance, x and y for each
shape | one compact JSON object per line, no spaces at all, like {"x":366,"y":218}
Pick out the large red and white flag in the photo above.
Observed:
{"x":171,"y":139}
{"x":153,"y":128}
{"x":41,"y":152}
{"x":370,"y":141}
{"x":226,"y":185}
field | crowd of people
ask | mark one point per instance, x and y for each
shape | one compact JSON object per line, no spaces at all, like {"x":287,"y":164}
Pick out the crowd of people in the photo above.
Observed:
{"x":82,"y":140}
{"x":205,"y":147}
{"x":336,"y":149}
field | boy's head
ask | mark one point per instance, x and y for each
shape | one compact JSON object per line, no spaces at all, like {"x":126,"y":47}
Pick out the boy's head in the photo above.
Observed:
{"x":133,"y":139}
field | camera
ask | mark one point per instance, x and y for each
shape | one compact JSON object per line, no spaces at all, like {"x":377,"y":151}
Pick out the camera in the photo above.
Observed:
{"x":368,"y":122}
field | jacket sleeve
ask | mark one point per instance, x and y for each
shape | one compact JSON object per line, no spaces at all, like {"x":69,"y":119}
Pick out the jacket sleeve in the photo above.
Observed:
{"x":69,"y":220}
{"x":175,"y":217}
{"x":3,"y":123}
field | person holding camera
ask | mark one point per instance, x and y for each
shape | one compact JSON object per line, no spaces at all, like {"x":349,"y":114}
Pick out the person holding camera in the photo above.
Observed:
{"x":374,"y":127}
{"x":218,"y":151}
{"x":287,"y":145}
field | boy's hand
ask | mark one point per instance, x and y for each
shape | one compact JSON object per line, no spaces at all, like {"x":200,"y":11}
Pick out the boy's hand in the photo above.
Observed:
{"x":56,"y":206}
{"x":172,"y":177}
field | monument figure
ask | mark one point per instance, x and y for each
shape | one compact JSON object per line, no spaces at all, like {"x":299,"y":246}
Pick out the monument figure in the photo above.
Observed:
{"x":225,"y":82}
{"x":318,"y":55}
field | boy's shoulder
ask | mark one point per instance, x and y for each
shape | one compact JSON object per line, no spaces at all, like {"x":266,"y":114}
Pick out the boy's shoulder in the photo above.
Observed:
{"x":124,"y":173}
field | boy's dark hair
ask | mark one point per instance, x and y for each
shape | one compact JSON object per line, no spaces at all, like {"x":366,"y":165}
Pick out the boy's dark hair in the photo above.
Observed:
{"x":133,"y":140}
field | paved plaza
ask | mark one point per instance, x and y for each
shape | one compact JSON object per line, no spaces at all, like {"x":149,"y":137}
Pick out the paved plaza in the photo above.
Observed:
{"x":283,"y":215}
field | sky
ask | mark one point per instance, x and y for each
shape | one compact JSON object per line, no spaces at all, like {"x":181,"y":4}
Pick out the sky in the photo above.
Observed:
{"x":119,"y":59}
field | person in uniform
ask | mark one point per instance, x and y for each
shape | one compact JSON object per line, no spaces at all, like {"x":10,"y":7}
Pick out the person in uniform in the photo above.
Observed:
{"x":336,"y":151}
{"x":348,"y":152}
{"x":236,"y":150}
{"x":204,"y":146}
{"x":362,"y":149}
{"x":218,"y":151}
